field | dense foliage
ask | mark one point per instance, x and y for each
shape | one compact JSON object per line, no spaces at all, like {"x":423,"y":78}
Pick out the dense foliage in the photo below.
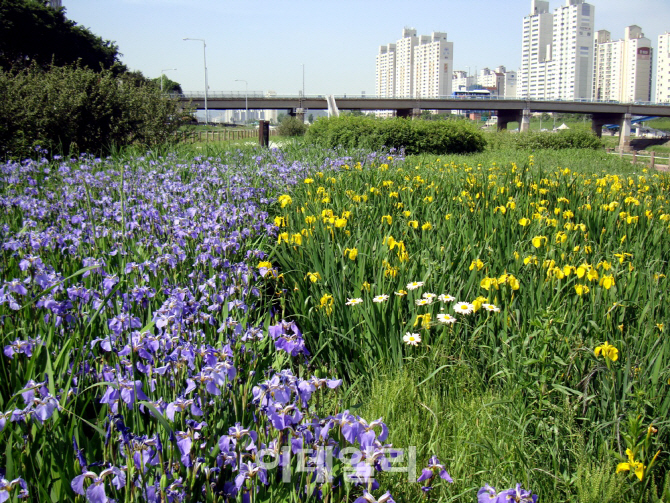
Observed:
{"x":582,"y":138}
{"x":31,"y":33}
{"x":414,"y":136}
{"x":291,"y":126}
{"x":75,"y":109}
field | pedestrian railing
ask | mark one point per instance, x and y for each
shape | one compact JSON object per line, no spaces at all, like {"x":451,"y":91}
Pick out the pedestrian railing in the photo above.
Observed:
{"x":642,"y":156}
{"x":218,"y":135}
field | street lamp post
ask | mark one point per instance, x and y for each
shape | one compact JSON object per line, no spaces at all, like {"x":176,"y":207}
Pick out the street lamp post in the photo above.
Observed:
{"x":162,"y":71}
{"x":246,"y":99}
{"x":204,"y":54}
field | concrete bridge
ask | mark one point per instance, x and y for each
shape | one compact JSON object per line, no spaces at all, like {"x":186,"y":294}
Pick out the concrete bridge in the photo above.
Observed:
{"x":507,"y":110}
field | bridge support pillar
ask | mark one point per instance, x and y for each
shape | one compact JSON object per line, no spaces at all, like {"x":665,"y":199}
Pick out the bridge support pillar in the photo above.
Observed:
{"x":624,"y":133}
{"x":507,"y":116}
{"x":408,"y":112}
{"x":599,"y":120}
{"x":524,"y":125}
{"x":298,"y":113}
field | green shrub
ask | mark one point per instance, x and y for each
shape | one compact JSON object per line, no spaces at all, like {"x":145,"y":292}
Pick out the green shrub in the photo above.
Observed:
{"x":415,"y":136}
{"x":76,"y":109}
{"x":291,"y":126}
{"x":569,"y":138}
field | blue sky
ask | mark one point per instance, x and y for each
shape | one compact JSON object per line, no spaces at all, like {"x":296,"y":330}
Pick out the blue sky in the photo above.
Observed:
{"x":266,"y":42}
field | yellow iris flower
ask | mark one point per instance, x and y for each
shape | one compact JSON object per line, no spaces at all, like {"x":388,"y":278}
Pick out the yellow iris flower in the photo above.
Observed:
{"x":634,"y":466}
{"x":608,"y":351}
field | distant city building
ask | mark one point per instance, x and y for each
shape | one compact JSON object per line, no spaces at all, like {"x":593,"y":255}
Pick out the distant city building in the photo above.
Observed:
{"x":54,"y":4}
{"x":536,"y":51}
{"x":500,"y":81}
{"x":404,"y":64}
{"x":415,"y":67}
{"x":623,"y":68}
{"x":510,"y":81}
{"x":663,"y":69}
{"x":433,"y":66}
{"x":385,"y":81}
{"x":557,"y":52}
{"x":461,"y":81}
{"x":571,"y":67}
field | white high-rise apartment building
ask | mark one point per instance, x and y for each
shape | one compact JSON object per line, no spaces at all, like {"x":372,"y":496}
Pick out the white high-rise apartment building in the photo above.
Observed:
{"x":557,"y":52}
{"x":571,"y":67}
{"x":404,"y":66}
{"x":536,"y":51}
{"x":416,"y":67}
{"x":385,"y":81}
{"x":433,"y":66}
{"x":54,"y":4}
{"x":663,"y":69}
{"x":622,"y":69}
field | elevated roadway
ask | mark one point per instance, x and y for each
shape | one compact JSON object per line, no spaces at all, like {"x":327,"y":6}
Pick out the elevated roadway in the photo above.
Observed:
{"x":507,"y":110}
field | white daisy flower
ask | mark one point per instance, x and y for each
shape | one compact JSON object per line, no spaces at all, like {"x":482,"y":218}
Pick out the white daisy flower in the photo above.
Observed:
{"x":446,"y":318}
{"x":423,"y":302}
{"x":411,"y":339}
{"x":491,"y":307}
{"x":446,"y":298}
{"x":429,"y":296}
{"x":414,"y":285}
{"x":353,"y":302}
{"x":380,"y":298}
{"x":464,"y":308}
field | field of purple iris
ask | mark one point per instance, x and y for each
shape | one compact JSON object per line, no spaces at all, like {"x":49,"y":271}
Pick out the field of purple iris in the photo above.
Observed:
{"x":146,"y":358}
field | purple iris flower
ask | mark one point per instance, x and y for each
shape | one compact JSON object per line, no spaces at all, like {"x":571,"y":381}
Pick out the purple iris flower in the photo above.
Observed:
{"x":428,"y":473}
{"x":16,"y":286}
{"x":488,"y":494}
{"x":22,"y":347}
{"x":369,"y":498}
{"x":95,"y":493}
{"x":180,"y":405}
{"x":6,"y":486}
{"x":128,"y":391}
{"x":249,"y":471}
{"x":80,"y":454}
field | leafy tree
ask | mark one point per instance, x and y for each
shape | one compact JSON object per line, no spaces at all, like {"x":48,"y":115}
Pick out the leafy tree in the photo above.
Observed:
{"x":169,"y":86}
{"x":291,"y":126}
{"x":32,"y":32}
{"x":74,"y":109}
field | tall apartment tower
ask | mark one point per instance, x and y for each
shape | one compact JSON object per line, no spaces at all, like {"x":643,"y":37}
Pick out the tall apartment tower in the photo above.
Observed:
{"x":557,"y":52}
{"x":663,"y":69}
{"x":54,"y":4}
{"x":433,"y":66}
{"x":404,"y":76}
{"x":415,"y":67}
{"x":386,"y":68}
{"x":571,"y":69}
{"x":536,"y":51}
{"x":622,"y":70}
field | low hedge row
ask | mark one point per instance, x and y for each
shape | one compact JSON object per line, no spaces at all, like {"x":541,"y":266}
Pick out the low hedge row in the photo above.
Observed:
{"x":415,"y":136}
